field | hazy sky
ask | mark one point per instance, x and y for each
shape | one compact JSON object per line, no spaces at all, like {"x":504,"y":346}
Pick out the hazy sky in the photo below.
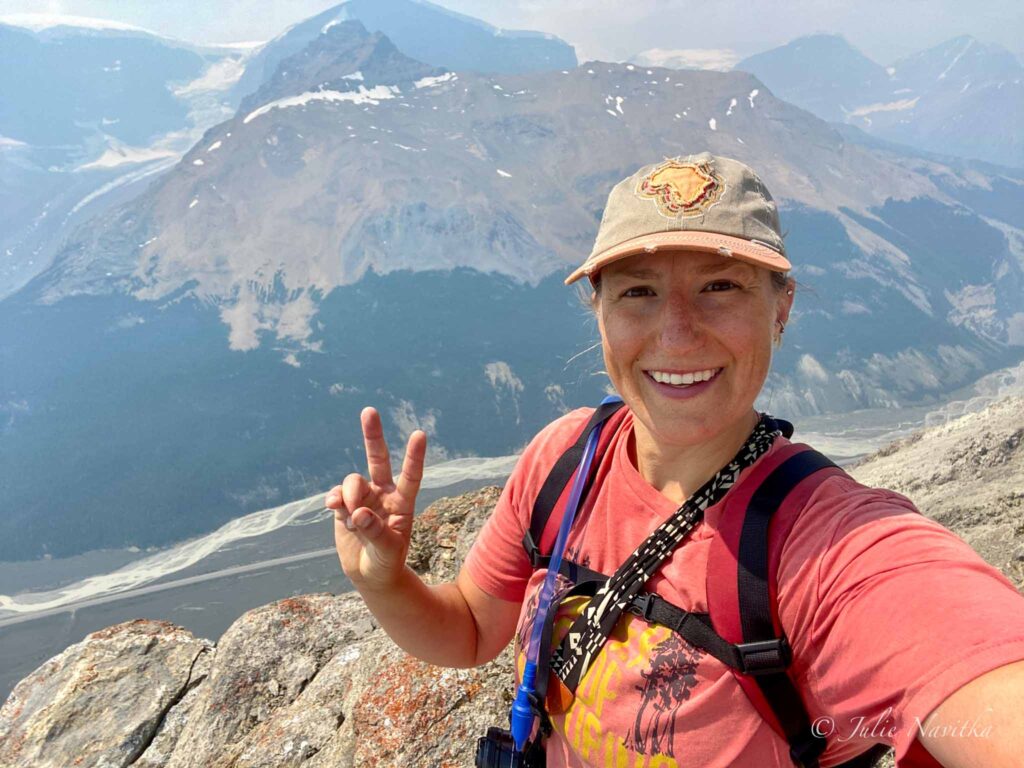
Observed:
{"x":609,"y":29}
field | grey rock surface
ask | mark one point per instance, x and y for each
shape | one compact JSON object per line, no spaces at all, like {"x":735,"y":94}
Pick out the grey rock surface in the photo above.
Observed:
{"x":101,"y":701}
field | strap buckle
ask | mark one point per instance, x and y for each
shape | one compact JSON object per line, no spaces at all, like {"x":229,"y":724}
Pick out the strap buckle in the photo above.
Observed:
{"x":807,"y":748}
{"x":533,"y":550}
{"x":643,"y":606}
{"x":764,"y":657}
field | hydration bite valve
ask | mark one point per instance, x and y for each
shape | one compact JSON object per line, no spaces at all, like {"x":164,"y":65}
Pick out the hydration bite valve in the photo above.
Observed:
{"x":522,"y":711}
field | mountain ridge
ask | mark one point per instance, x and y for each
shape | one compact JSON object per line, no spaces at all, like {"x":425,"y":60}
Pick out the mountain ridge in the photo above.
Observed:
{"x":401,"y":240}
{"x":961,"y":97}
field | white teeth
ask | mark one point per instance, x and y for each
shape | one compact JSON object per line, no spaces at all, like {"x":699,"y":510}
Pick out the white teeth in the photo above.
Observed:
{"x":683,"y":379}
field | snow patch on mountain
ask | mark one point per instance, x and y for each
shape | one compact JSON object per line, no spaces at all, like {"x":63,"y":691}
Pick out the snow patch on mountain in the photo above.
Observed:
{"x":716,"y":59}
{"x":891,"y":106}
{"x":124,"y":155}
{"x":121,"y":181}
{"x":970,"y":42}
{"x":219,"y":76}
{"x":364,"y":95}
{"x":435,"y":80}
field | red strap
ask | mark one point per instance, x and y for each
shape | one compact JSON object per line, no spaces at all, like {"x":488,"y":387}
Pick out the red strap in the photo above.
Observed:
{"x":608,"y":432}
{"x":723,"y":563}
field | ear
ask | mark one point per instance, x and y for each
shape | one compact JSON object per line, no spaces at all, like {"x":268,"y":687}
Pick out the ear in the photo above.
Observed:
{"x":785,"y":302}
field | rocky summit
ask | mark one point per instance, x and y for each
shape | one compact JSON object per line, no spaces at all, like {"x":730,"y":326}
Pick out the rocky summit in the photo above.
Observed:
{"x":312,"y":681}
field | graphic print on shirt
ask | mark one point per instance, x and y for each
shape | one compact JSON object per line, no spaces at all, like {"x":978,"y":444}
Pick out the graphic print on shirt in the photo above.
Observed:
{"x":668,"y":682}
{"x":562,"y":585}
{"x":625,"y":709}
{"x":575,"y":554}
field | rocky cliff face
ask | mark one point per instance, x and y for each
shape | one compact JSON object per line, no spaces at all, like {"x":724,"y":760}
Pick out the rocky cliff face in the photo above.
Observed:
{"x":312,"y":681}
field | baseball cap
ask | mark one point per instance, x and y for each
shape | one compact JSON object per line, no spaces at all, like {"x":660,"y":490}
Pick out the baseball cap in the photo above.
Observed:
{"x":699,"y":202}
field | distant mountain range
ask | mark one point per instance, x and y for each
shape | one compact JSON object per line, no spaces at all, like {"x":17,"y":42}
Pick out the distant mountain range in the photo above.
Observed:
{"x":454,"y":41}
{"x":87,"y":115}
{"x":91,"y":111}
{"x":962,"y":97}
{"x":374,"y":229}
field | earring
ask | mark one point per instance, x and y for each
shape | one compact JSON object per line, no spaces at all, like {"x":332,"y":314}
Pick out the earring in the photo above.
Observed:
{"x":782,"y":327}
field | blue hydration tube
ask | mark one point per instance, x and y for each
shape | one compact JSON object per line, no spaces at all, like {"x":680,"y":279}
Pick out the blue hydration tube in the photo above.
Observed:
{"x":522,"y":710}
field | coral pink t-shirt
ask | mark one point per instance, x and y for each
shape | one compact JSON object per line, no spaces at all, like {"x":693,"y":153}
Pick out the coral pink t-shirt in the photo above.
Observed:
{"x":887,"y":612}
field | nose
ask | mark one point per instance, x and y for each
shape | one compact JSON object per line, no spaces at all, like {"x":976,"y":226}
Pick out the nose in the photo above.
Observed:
{"x":680,"y":325}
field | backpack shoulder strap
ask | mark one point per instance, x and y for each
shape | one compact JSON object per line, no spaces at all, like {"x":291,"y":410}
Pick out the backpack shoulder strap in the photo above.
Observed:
{"x":557,"y":482}
{"x":742,"y":588}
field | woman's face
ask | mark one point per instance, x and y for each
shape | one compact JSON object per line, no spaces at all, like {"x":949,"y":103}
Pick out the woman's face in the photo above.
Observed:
{"x":679,"y":313}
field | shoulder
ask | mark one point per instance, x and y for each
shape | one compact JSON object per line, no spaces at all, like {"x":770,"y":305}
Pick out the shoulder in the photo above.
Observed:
{"x":849,"y":536}
{"x":840,"y":507}
{"x":547,"y":445}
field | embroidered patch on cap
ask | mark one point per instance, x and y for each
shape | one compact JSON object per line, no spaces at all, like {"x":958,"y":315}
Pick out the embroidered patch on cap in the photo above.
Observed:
{"x":682,"y":188}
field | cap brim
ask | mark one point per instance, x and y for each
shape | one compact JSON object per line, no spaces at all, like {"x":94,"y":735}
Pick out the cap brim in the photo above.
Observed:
{"x":705,"y":242}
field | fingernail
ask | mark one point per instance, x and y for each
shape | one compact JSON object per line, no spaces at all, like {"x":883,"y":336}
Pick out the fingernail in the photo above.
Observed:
{"x":332,"y":498}
{"x":350,"y":524}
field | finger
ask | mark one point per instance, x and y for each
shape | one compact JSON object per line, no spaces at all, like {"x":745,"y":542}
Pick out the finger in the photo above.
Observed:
{"x":356,"y":492}
{"x":412,"y":465}
{"x":369,"y":526}
{"x":342,"y":516}
{"x":378,"y":460}
{"x":332,"y":499}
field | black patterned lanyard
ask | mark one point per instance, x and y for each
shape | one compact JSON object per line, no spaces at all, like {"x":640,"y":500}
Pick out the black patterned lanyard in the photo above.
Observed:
{"x":571,"y":660}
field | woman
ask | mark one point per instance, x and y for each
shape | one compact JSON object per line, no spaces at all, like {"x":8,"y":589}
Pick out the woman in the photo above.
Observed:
{"x":896,"y":626}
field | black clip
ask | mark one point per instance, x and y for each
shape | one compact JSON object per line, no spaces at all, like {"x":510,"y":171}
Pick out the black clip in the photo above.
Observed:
{"x":764,"y":657}
{"x":536,"y":560}
{"x":643,"y":606}
{"x":537,"y":705}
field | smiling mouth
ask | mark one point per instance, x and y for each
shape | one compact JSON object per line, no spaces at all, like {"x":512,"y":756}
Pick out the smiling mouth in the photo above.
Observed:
{"x":682,"y":380}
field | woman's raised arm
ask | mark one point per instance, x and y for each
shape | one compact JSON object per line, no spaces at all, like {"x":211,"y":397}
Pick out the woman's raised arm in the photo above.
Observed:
{"x":453,"y":624}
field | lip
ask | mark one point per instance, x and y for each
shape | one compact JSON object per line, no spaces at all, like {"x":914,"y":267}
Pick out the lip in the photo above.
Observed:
{"x":686,"y":393}
{"x":680,"y":371}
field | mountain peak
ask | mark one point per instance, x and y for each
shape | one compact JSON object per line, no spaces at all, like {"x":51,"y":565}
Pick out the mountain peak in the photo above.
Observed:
{"x":343,"y":57}
{"x":818,"y":72}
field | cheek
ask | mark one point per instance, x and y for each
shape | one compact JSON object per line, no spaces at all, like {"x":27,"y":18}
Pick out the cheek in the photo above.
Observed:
{"x":621,"y":343}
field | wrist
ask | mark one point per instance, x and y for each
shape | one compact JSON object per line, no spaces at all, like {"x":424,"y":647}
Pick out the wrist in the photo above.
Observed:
{"x":380,"y":584}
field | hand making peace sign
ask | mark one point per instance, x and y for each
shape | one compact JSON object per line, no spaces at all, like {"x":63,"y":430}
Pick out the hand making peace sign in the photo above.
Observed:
{"x":373,"y":518}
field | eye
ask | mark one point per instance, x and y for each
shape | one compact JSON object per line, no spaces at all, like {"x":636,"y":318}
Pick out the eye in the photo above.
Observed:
{"x":638,"y":290}
{"x":720,"y":285}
